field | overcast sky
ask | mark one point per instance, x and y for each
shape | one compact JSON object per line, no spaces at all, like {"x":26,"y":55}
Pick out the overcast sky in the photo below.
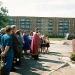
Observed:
{"x":45,"y":8}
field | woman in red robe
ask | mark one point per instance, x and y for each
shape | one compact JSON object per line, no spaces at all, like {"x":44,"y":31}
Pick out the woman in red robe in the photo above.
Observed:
{"x":35,"y":45}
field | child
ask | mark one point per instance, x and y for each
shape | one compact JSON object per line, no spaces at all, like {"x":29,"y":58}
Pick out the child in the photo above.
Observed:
{"x":47,"y":43}
{"x":43,"y":44}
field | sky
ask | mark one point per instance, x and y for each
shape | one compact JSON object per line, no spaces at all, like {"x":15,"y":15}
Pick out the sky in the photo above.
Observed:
{"x":40,"y":8}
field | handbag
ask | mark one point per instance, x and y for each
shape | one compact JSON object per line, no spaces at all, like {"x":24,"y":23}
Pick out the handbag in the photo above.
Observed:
{"x":1,"y":65}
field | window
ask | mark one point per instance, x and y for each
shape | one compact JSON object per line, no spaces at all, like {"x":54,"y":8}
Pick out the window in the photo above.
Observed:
{"x":27,"y":23}
{"x":28,"y":20}
{"x":22,"y":19}
{"x":22,"y":23}
{"x":22,"y":26}
{"x":61,"y":27}
{"x":11,"y":23}
{"x":50,"y":20}
{"x":11,"y":19}
{"x":27,"y":26}
{"x":66,"y":23}
{"x":60,"y":33}
{"x":66,"y":26}
{"x":60,"y":30}
{"x":50,"y":27}
{"x":50,"y":24}
{"x":60,"y":23}
{"x":50,"y":30}
{"x":38,"y":20}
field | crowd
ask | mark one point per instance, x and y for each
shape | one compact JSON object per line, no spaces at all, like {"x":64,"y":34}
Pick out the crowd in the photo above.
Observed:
{"x":13,"y":42}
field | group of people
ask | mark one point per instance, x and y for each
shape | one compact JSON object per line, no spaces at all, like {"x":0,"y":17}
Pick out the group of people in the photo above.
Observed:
{"x":14,"y":41}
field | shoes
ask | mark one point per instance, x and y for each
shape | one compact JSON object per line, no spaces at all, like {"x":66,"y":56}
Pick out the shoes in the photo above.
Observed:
{"x":13,"y":69}
{"x":36,"y":59}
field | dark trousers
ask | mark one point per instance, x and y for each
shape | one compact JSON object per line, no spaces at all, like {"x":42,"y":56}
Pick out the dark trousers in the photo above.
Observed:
{"x":8,"y":64}
{"x":35,"y":57}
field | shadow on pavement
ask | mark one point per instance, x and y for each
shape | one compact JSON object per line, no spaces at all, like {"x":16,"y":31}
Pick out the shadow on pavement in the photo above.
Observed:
{"x":55,"y":53}
{"x":31,"y":67}
{"x":51,"y":61}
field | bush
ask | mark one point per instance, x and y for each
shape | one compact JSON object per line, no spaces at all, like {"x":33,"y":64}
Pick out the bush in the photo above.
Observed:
{"x":73,"y":57}
{"x":71,"y":36}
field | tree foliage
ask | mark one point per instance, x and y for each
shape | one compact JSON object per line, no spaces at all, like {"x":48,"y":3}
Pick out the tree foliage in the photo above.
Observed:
{"x":3,"y":16}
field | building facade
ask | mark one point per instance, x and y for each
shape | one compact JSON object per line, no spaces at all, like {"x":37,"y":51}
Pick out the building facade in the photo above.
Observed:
{"x":53,"y":26}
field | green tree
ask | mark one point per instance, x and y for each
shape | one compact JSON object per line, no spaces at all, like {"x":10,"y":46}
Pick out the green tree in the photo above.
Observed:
{"x":3,"y":16}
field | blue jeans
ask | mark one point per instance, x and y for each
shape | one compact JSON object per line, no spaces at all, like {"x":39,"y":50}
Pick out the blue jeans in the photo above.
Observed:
{"x":8,"y":62}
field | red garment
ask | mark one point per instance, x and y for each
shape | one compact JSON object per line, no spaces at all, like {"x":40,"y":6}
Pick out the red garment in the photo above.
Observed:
{"x":35,"y":44}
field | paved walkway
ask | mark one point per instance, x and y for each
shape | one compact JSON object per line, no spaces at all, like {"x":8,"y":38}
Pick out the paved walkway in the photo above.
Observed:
{"x":48,"y":62}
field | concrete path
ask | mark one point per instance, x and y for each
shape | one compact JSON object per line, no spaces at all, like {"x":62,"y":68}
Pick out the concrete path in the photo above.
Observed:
{"x":48,"y":62}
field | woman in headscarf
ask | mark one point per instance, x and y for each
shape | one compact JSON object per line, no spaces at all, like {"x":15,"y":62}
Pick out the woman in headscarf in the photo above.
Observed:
{"x":35,"y":45}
